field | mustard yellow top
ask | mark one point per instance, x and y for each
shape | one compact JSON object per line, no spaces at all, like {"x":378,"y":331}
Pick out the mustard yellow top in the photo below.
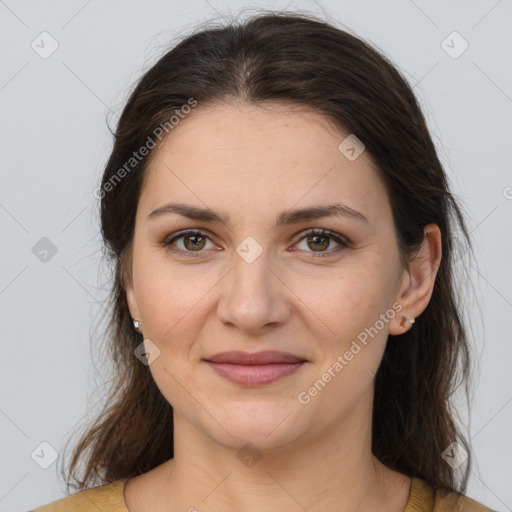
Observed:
{"x":109,"y":498}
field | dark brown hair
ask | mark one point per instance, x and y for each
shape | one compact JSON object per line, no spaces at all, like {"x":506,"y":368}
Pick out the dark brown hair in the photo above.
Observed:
{"x":298,"y":58}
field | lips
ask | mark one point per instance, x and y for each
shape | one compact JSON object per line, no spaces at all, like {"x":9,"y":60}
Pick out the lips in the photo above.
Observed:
{"x":257,"y":358}
{"x":257,"y":369}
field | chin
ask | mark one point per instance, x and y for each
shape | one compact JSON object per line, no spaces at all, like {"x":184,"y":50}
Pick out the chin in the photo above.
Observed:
{"x":268,"y":426}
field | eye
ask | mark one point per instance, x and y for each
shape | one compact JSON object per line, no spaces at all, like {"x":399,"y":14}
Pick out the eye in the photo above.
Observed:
{"x":321,"y":239}
{"x":193,"y":241}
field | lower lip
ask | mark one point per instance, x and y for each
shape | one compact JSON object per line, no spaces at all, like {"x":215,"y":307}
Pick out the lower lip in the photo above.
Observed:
{"x":255,"y":375}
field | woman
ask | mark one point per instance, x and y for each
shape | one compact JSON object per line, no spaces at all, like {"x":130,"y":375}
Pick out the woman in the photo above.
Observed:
{"x":285,"y":323}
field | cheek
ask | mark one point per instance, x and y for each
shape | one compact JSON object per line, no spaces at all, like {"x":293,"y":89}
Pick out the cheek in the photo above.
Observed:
{"x":347,"y":307}
{"x":174,"y":306}
{"x":173,"y":298}
{"x":344,"y":302}
{"x":350,"y":337}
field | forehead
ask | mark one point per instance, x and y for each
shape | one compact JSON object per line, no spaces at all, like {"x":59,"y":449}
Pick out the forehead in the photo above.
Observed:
{"x":252,"y":157}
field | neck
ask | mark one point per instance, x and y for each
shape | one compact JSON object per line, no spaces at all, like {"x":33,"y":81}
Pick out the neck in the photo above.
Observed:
{"x":335,"y":472}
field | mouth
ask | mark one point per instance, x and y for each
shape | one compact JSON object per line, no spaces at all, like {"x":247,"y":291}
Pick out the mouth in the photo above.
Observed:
{"x":256,"y":369}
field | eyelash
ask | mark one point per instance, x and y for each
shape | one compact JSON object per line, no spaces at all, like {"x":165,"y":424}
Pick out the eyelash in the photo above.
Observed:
{"x":344,"y":242}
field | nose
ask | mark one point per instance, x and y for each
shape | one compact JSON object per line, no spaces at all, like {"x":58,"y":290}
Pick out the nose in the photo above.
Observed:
{"x":253,"y":295}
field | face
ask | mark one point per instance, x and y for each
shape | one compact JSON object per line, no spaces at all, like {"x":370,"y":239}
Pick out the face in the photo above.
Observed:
{"x":203,"y":286}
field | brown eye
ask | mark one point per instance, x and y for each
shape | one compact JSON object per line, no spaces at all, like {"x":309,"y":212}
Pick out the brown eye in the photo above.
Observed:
{"x":318,"y":240}
{"x":188,"y":243}
{"x":195,"y":242}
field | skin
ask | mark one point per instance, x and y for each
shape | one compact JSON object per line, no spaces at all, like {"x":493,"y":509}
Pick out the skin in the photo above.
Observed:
{"x":254,"y":162}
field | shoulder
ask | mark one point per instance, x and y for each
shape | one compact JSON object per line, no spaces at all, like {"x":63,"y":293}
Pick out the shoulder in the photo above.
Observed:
{"x":104,"y":497}
{"x":423,"y":499}
{"x":458,"y":503}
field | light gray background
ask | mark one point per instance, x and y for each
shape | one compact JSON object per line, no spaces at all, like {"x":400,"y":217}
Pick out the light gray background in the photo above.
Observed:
{"x":54,"y":144}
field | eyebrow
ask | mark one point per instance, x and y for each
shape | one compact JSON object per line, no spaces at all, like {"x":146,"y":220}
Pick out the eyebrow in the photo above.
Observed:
{"x":286,"y":217}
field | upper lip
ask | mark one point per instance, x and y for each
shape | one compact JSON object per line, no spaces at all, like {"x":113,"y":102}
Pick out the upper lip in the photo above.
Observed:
{"x":255,"y":358}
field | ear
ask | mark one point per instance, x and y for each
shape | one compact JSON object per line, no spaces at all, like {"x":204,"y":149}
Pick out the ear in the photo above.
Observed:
{"x":127,"y":280}
{"x":130,"y":299}
{"x":418,"y":281}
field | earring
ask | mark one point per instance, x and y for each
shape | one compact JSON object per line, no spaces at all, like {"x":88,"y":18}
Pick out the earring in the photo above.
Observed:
{"x":137,"y":324}
{"x":411,"y":320}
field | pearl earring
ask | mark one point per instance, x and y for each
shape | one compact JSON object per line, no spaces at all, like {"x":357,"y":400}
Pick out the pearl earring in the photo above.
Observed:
{"x":137,"y":324}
